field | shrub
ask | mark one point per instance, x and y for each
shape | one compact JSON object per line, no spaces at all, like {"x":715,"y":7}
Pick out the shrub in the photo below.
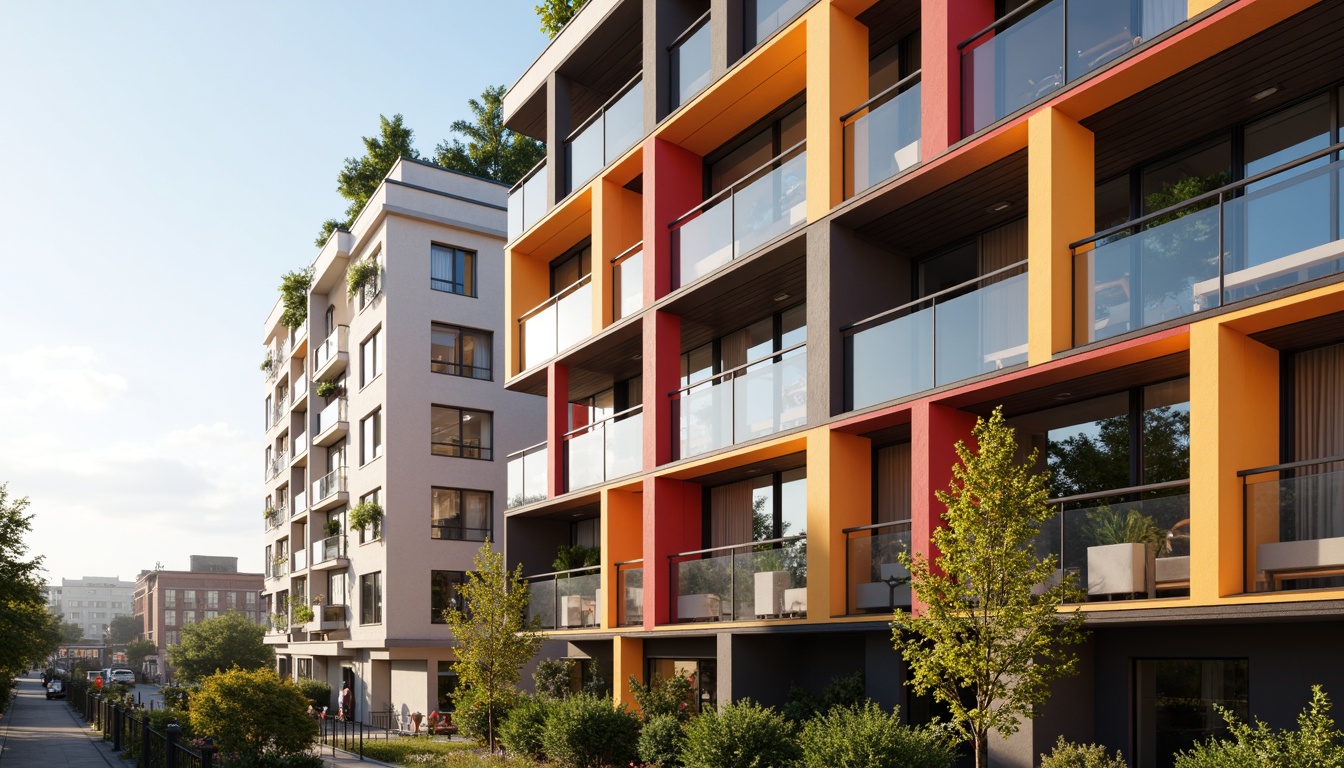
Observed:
{"x":1316,"y":742}
{"x":364,"y":514}
{"x":160,"y":719}
{"x":252,"y":712}
{"x":521,"y":732}
{"x":863,"y":736}
{"x":552,"y":678}
{"x":473,"y":718}
{"x":662,"y":742}
{"x":663,"y":696}
{"x":586,"y":731}
{"x":316,"y":692}
{"x":412,"y":750}
{"x":843,"y":691}
{"x":360,"y":274}
{"x":741,"y":735}
{"x":1069,"y":755}
{"x":277,"y":760}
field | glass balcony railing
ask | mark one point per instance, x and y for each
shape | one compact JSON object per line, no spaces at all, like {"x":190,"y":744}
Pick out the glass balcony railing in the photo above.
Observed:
{"x":630,"y":583}
{"x":1270,"y":231}
{"x":299,"y":444}
{"x":329,"y":549}
{"x":556,"y":324}
{"x":330,"y":416}
{"x":279,"y":408}
{"x":279,"y":462}
{"x":627,"y":277}
{"x":882,"y":136}
{"x":300,"y":503}
{"x":1040,"y":46}
{"x":528,"y":201}
{"x":335,"y":343}
{"x":759,"y":207}
{"x":769,"y":16}
{"x":565,"y":599}
{"x":299,"y":561}
{"x":605,"y":136}
{"x":945,"y":337}
{"x":1295,"y":525}
{"x":1124,"y":543}
{"x":689,"y":62}
{"x":527,"y":476}
{"x":329,"y":485}
{"x":299,"y":388}
{"x":605,"y":450}
{"x":334,"y":617}
{"x":757,"y":580}
{"x":754,"y":400}
{"x":875,"y":579}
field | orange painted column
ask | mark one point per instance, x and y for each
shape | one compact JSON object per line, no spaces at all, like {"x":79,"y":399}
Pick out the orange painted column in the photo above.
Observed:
{"x":942,"y":26}
{"x":837,"y":50}
{"x":662,"y":376}
{"x":557,"y":424}
{"x":934,"y":432}
{"x":627,"y":661}
{"x":673,"y":184}
{"x":839,"y":496}
{"x":671,"y":525}
{"x":622,"y":540}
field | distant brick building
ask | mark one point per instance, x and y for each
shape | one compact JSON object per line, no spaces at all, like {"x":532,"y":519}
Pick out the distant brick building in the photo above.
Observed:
{"x":166,"y":601}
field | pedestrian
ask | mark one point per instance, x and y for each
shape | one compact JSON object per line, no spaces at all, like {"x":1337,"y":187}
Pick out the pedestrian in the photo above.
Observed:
{"x":347,"y":703}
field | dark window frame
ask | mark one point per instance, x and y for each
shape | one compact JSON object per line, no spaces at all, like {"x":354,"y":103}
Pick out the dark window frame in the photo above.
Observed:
{"x":458,"y":284}
{"x":437,"y":606}
{"x":457,"y":450}
{"x":446,"y":368}
{"x":371,"y":608}
{"x":454,"y":529}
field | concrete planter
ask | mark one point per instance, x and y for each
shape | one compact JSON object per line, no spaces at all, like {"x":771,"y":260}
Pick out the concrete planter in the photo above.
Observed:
{"x":1118,"y":569}
{"x":770,"y":586}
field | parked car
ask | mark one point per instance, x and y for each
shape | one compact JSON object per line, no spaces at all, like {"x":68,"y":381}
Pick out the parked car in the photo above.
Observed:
{"x":56,"y":690}
{"x":125,"y":676}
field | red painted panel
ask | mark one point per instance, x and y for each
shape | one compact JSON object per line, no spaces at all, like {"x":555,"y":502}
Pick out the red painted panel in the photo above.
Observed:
{"x":673,"y":184}
{"x":671,"y":525}
{"x":935,"y":430}
{"x":943,"y":25}
{"x":662,"y":374}
{"x":557,"y":424}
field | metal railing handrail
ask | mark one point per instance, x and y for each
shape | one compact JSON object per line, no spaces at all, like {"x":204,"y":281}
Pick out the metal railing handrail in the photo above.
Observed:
{"x":747,"y":178}
{"x":527,"y":450}
{"x":1243,"y":473}
{"x":931,"y":298}
{"x":560,"y":294}
{"x":1133,"y":489}
{"x":622,"y":91}
{"x":627,"y":252}
{"x":727,"y":547}
{"x":638,"y":560}
{"x":1007,"y":17}
{"x":565,"y":572}
{"x":880,"y":96}
{"x":875,"y":526}
{"x":600,"y":422}
{"x":1210,"y":195}
{"x":690,"y":30}
{"x":735,"y":369}
{"x":527,"y":176}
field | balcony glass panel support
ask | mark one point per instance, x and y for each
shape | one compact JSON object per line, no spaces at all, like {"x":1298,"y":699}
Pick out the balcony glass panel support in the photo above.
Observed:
{"x":528,"y":201}
{"x":1295,"y":525}
{"x":334,"y":344}
{"x":607,"y":135}
{"x":882,"y":136}
{"x":557,"y":324}
{"x":331,"y":483}
{"x":605,"y":450}
{"x":758,"y":580}
{"x":565,"y":599}
{"x":876,"y":581}
{"x":754,"y":400}
{"x":690,"y":61}
{"x":630,"y":583}
{"x":527,"y":476}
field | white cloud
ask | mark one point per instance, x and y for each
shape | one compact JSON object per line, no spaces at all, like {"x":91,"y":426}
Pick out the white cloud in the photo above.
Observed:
{"x":66,"y":376}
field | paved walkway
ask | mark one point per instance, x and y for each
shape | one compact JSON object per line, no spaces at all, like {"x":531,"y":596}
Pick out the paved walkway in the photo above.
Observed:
{"x":36,"y":733}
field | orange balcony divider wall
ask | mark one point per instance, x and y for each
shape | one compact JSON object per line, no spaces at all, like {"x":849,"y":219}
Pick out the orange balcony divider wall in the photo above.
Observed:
{"x":837,"y":48}
{"x":662,"y":375}
{"x":839,"y":496}
{"x":622,"y":541}
{"x":627,"y":661}
{"x":935,"y":431}
{"x":672,"y":511}
{"x":942,"y":26}
{"x":557,"y":424}
{"x":618,"y":224}
{"x":673,"y":178}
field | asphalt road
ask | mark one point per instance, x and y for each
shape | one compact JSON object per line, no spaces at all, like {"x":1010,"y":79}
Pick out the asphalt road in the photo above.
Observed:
{"x":37,"y":732}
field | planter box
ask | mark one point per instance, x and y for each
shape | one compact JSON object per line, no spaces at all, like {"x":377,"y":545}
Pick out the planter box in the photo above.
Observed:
{"x":795,"y":601}
{"x":698,"y":607}
{"x":770,"y":586}
{"x":1117,"y":569}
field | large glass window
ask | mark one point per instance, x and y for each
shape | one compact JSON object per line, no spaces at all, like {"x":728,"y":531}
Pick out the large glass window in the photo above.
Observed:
{"x":370,"y":358}
{"x":1175,"y":703}
{"x":460,"y":432}
{"x":371,"y":437}
{"x":769,"y":507}
{"x":460,"y":351}
{"x":461,"y":515}
{"x":371,"y":598}
{"x":452,"y":270}
{"x":374,"y":530}
{"x":443,"y":593}
{"x":570,"y":268}
{"x":757,"y":149}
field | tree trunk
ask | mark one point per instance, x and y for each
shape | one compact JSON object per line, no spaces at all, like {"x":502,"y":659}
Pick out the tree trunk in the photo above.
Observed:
{"x":981,"y":742}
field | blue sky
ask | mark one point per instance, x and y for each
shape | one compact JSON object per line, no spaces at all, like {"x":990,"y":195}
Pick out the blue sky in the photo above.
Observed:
{"x":161,"y":165}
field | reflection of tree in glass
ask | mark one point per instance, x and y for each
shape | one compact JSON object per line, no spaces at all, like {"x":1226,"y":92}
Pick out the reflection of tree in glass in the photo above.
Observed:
{"x":1082,"y":463}
{"x":1178,"y":255}
{"x":1166,"y":445}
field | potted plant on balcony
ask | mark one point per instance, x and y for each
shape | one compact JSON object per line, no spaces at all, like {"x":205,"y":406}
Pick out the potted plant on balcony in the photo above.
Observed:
{"x":271,"y":516}
{"x":332,"y":528}
{"x":302,"y":614}
{"x":360,"y":274}
{"x":294,"y":297}
{"x":279,"y":622}
{"x":1120,"y":561}
{"x":268,"y":363}
{"x":770,"y":581}
{"x":329,"y":389}
{"x":365,"y":514}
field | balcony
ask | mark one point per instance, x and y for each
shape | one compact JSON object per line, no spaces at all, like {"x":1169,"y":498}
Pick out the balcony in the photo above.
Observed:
{"x":1271,"y":231}
{"x":278,"y":569}
{"x":630,"y":583}
{"x":556,"y":324}
{"x":298,"y":448}
{"x":689,"y":62}
{"x":300,"y":504}
{"x":627,"y":278}
{"x":605,"y":450}
{"x":753,"y":400}
{"x":329,"y":490}
{"x":875,"y":580}
{"x":298,"y":561}
{"x":330,"y":553}
{"x":279,"y":409}
{"x":605,"y":136}
{"x":948,"y":336}
{"x":757,"y":580}
{"x":331,"y":356}
{"x":1295,"y":525}
{"x":298,"y":391}
{"x":276,"y":357}
{"x":759,"y":207}
{"x":527,"y":476}
{"x":273,"y":516}
{"x":770,"y":16}
{"x":333,"y":617}
{"x":1137,"y":547}
{"x":279,"y":462}
{"x":882,"y":136}
{"x":330,"y":424}
{"x":566,"y":599}
{"x":528,"y":201}
{"x":1039,"y":47}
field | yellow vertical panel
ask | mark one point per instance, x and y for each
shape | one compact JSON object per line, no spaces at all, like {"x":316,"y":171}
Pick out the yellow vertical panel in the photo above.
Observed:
{"x":839,"y":496}
{"x":603,"y":192}
{"x":1196,"y":7}
{"x":627,"y":660}
{"x":1060,"y":210}
{"x":527,"y":284}
{"x":837,"y":81}
{"x":622,"y":540}
{"x":617,"y":225}
{"x":1234,"y":425}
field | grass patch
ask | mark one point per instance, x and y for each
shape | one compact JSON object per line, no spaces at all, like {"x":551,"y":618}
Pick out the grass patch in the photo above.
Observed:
{"x":404,"y":749}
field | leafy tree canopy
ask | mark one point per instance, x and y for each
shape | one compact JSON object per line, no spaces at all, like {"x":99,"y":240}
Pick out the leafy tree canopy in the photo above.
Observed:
{"x":218,"y":644}
{"x":70,"y":632}
{"x":361,"y":176}
{"x":122,"y":630}
{"x":28,"y":633}
{"x":251,"y":712}
{"x":138,"y":649}
{"x":491,"y":150}
{"x":555,"y":14}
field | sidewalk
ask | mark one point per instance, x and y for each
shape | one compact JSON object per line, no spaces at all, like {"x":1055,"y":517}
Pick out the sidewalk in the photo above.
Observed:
{"x":36,"y":733}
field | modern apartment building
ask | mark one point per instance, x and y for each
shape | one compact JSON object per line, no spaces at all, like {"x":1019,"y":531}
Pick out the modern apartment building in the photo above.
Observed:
{"x":91,"y":602}
{"x":781,"y":255}
{"x":390,"y":396}
{"x":166,"y":601}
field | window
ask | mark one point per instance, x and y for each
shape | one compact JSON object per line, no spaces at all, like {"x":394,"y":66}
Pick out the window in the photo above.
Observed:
{"x":212,"y":614}
{"x":188,"y":617}
{"x":189,"y":596}
{"x":169,"y":598}
{"x":374,"y":530}
{"x":212,"y":599}
{"x":571,"y":268}
{"x":461,"y":515}
{"x":337,"y":590}
{"x":230,"y":600}
{"x":371,"y":437}
{"x":303,"y":667}
{"x":443,"y":586}
{"x":370,"y":358}
{"x":452,"y":270}
{"x":1175,"y":701}
{"x":371,"y":598}
{"x":460,"y":351}
{"x":371,"y":288}
{"x":460,"y":432}
{"x":250,"y":599}
{"x":769,"y":507}
{"x":171,"y":638}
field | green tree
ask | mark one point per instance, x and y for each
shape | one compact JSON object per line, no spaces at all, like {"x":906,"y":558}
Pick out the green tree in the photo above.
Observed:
{"x":361,"y":176}
{"x":122,"y":630}
{"x":252,"y":712}
{"x":492,"y":636}
{"x":70,"y":632}
{"x":491,"y":151}
{"x":28,"y":633}
{"x":555,"y":14}
{"x":217,"y":644}
{"x":138,"y":649}
{"x":985,"y":646}
{"x":1315,"y":743}
{"x":294,"y":297}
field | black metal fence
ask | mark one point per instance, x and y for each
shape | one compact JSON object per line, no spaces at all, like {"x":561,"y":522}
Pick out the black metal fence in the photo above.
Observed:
{"x":129,"y":730}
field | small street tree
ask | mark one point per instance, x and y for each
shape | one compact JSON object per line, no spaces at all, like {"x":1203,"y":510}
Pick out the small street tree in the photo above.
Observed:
{"x":361,"y":176}
{"x":251,"y":712}
{"x":218,"y":644}
{"x":122,"y":630}
{"x":491,"y":150}
{"x":137,"y":650}
{"x":28,"y":633}
{"x":492,"y":637}
{"x":555,"y":14}
{"x":985,"y":646}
